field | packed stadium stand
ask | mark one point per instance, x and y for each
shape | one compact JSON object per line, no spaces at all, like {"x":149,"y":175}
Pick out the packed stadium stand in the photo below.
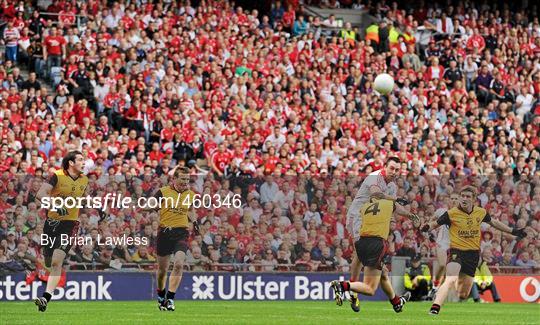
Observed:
{"x":276,"y":107}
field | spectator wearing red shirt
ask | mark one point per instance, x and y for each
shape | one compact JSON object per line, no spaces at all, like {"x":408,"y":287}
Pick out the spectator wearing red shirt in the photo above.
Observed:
{"x":288,"y":18}
{"x":54,"y":50}
{"x":476,"y":42}
{"x":220,"y":159}
{"x":156,"y":153}
{"x":67,"y":15}
{"x":82,"y":111}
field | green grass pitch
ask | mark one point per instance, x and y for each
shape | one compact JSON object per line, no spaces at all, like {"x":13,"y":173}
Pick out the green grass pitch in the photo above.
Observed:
{"x":256,"y":312}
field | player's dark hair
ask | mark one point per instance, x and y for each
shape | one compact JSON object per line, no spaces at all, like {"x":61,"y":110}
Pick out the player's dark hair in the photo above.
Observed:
{"x":71,"y":156}
{"x":394,"y":159}
{"x":181,"y":171}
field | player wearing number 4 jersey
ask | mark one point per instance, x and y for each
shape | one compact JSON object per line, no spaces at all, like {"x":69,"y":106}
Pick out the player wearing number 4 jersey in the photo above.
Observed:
{"x":174,"y":216}
{"x":379,"y":184}
{"x":67,"y":182}
{"x":371,"y":249}
{"x":464,"y":223}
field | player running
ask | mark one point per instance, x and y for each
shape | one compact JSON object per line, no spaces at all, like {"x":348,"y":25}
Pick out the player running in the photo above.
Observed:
{"x":371,"y":249}
{"x":464,"y":223}
{"x":380,"y":184}
{"x":443,"y":244}
{"x":69,"y":181}
{"x":173,"y":234}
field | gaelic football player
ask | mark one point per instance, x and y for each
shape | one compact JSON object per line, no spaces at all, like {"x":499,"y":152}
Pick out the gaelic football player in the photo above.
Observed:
{"x":380,"y":184}
{"x":464,"y":223}
{"x":371,"y":249}
{"x":173,"y":234}
{"x":67,"y":182}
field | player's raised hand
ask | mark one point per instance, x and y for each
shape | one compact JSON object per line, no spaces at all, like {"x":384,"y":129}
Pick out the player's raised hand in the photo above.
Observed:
{"x":519,"y":233}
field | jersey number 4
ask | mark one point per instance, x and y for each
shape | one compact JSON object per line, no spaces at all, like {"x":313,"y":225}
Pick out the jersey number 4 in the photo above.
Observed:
{"x":373,"y":209}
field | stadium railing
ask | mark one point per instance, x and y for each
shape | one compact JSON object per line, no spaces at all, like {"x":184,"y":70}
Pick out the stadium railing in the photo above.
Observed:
{"x":80,"y":20}
{"x":225,"y":267}
{"x":247,"y":267}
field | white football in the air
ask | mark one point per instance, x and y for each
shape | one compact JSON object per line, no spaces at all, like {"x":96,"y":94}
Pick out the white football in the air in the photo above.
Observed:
{"x":384,"y":83}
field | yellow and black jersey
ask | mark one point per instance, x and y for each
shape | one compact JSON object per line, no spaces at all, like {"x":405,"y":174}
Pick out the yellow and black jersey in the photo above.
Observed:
{"x":464,"y":228}
{"x":376,"y":216}
{"x":174,"y":207}
{"x":65,"y":186}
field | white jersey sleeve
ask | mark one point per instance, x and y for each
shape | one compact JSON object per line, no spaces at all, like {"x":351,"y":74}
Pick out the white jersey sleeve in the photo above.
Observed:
{"x":443,"y":236}
{"x":363,"y":194}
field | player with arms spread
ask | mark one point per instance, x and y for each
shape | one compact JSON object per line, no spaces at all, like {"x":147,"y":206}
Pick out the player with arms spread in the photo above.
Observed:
{"x":371,"y":249}
{"x":379,"y":184}
{"x":69,"y":181}
{"x":464,"y":223}
{"x":173,"y":235}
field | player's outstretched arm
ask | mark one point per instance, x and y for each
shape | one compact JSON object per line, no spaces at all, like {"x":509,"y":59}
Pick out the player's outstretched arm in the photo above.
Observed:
{"x":46,"y":188}
{"x":444,"y":219}
{"x":519,"y":233}
{"x":158,"y":195}
{"x":44,"y":191}
{"x":401,"y":210}
{"x":375,"y":192}
{"x":432,"y":225}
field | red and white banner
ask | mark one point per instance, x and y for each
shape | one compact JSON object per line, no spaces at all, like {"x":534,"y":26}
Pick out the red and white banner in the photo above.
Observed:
{"x":516,"y":288}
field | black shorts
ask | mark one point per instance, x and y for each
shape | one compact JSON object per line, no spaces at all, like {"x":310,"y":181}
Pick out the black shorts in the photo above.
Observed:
{"x":371,"y":251}
{"x":172,"y":240}
{"x":54,"y":229}
{"x":467,"y":259}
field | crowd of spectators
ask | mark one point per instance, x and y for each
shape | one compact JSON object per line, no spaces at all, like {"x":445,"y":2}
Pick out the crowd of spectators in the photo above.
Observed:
{"x":284,"y":223}
{"x":276,"y":110}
